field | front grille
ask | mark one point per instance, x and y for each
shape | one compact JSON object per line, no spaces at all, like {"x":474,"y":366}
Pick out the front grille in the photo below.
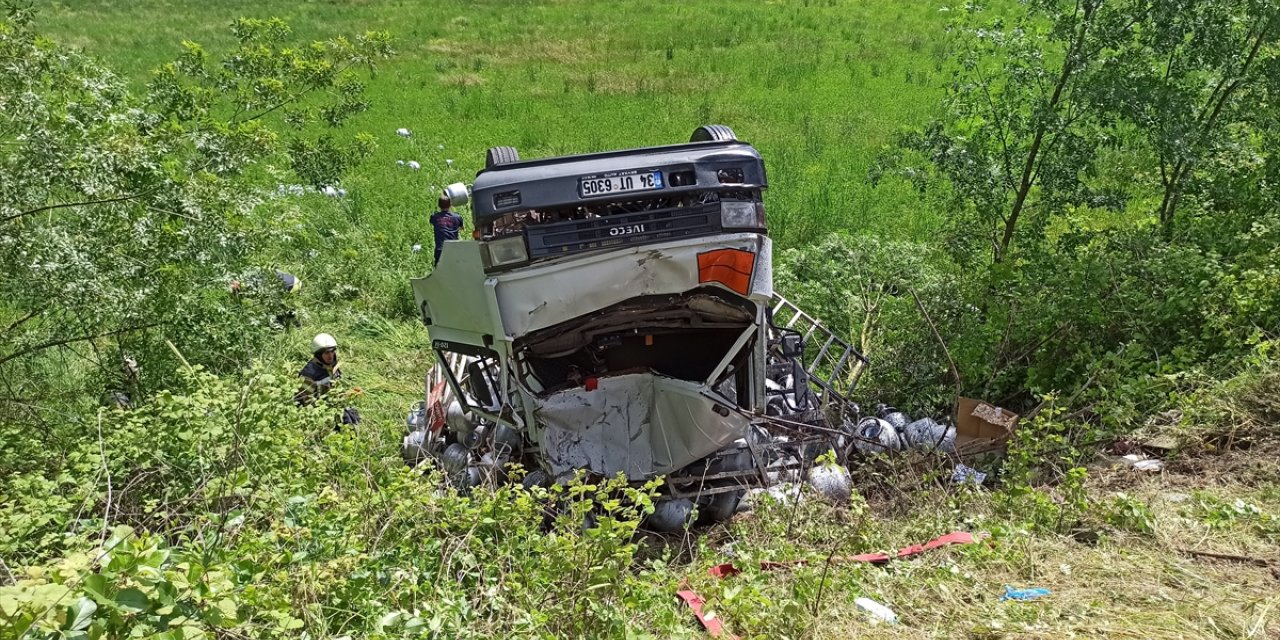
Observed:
{"x":573,"y":236}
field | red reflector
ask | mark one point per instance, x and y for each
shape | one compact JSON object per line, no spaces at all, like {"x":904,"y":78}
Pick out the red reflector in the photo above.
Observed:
{"x":730,"y":267}
{"x":592,"y":383}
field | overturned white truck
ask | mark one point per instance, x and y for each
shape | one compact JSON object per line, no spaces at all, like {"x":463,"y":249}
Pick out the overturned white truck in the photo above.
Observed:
{"x":616,"y":314}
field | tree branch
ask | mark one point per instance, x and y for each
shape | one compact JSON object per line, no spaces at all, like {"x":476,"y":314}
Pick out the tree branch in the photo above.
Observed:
{"x":1033,"y":154}
{"x":63,"y":341}
{"x":20,"y":321}
{"x":955,"y":373}
{"x":1007,"y":156}
{"x":86,"y":203}
{"x":1208,"y":118}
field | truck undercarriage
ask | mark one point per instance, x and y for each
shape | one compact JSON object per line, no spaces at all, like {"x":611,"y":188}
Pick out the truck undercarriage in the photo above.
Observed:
{"x":588,"y":332}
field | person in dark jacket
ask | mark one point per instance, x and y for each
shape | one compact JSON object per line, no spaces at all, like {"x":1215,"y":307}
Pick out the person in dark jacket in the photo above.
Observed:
{"x":320,"y":373}
{"x":446,"y":225}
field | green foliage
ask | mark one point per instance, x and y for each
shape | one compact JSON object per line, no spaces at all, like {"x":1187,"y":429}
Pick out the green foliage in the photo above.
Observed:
{"x":1238,"y":514}
{"x":1018,"y":138}
{"x":247,"y":514}
{"x":134,"y":584}
{"x":864,"y":287}
{"x":1059,"y":122}
{"x":123,"y":216}
{"x":1128,"y":513}
{"x":1193,"y":83}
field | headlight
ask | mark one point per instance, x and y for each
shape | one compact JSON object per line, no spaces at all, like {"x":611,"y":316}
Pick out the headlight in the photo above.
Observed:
{"x":742,"y":215}
{"x":507,"y":251}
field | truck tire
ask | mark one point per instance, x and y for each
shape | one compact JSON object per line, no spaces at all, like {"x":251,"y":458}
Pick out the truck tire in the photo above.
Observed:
{"x":712,"y":133}
{"x":500,"y":155}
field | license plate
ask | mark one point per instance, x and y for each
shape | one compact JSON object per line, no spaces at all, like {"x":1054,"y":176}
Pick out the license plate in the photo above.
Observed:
{"x":603,"y":186}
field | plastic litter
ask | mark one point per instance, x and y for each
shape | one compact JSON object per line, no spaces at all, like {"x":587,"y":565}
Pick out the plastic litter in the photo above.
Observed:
{"x":875,"y":435}
{"x":413,"y":164}
{"x":417,"y":248}
{"x":964,"y":473}
{"x":832,"y":482}
{"x":891,"y":415}
{"x":1141,"y":464}
{"x":876,"y":610}
{"x":399,"y":163}
{"x":927,"y":434}
{"x":1024,"y":594}
{"x":403,"y":133}
{"x":716,"y":629}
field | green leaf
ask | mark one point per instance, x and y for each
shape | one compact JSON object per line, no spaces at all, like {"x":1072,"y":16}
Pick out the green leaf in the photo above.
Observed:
{"x":132,"y":600}
{"x":81,"y":614}
{"x":96,"y":586}
{"x":387,"y":620}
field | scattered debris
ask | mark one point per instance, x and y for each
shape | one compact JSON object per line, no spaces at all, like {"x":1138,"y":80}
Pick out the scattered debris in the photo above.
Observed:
{"x":1024,"y":594}
{"x":1258,"y":562}
{"x":413,"y":164}
{"x":876,"y":610}
{"x":965,"y":473}
{"x":982,"y":427}
{"x":782,"y":493}
{"x":1161,"y":443}
{"x":672,"y":515}
{"x":399,"y":163}
{"x":403,"y":133}
{"x":1143,"y":464}
{"x":832,"y":482}
{"x":894,"y":431}
{"x":879,"y":557}
{"x":715,"y":628}
{"x":417,"y":248}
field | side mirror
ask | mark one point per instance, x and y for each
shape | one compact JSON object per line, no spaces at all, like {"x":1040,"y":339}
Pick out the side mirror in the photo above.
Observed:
{"x":792,"y":345}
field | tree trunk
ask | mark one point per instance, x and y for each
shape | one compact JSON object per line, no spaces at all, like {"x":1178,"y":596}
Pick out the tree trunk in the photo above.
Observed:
{"x":1209,"y":116}
{"x":1033,"y":155}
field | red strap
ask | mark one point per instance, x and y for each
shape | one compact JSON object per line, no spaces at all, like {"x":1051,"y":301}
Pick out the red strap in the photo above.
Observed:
{"x":958,"y":537}
{"x":695,"y":602}
{"x":715,"y":628}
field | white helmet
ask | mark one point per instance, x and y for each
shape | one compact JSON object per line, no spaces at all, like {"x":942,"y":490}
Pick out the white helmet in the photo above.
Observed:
{"x":323,"y":341}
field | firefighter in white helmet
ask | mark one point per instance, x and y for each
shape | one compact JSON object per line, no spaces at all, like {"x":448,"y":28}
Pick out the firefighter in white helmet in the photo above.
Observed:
{"x":321,"y":372}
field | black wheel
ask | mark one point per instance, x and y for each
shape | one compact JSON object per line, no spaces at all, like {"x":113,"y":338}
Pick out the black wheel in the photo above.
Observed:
{"x":500,"y":155}
{"x":712,"y":133}
{"x":718,"y":507}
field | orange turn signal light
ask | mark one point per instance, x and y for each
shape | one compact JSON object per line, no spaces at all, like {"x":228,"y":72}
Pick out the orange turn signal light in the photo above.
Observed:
{"x":730,"y":267}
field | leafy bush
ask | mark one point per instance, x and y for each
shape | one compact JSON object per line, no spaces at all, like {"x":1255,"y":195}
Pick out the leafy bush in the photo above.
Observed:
{"x":124,"y":216}
{"x":221,"y":506}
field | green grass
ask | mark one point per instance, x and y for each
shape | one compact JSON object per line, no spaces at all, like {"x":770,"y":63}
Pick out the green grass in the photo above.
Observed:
{"x":819,"y":87}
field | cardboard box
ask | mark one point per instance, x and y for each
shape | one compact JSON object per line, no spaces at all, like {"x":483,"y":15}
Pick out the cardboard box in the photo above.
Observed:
{"x":982,"y":427}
